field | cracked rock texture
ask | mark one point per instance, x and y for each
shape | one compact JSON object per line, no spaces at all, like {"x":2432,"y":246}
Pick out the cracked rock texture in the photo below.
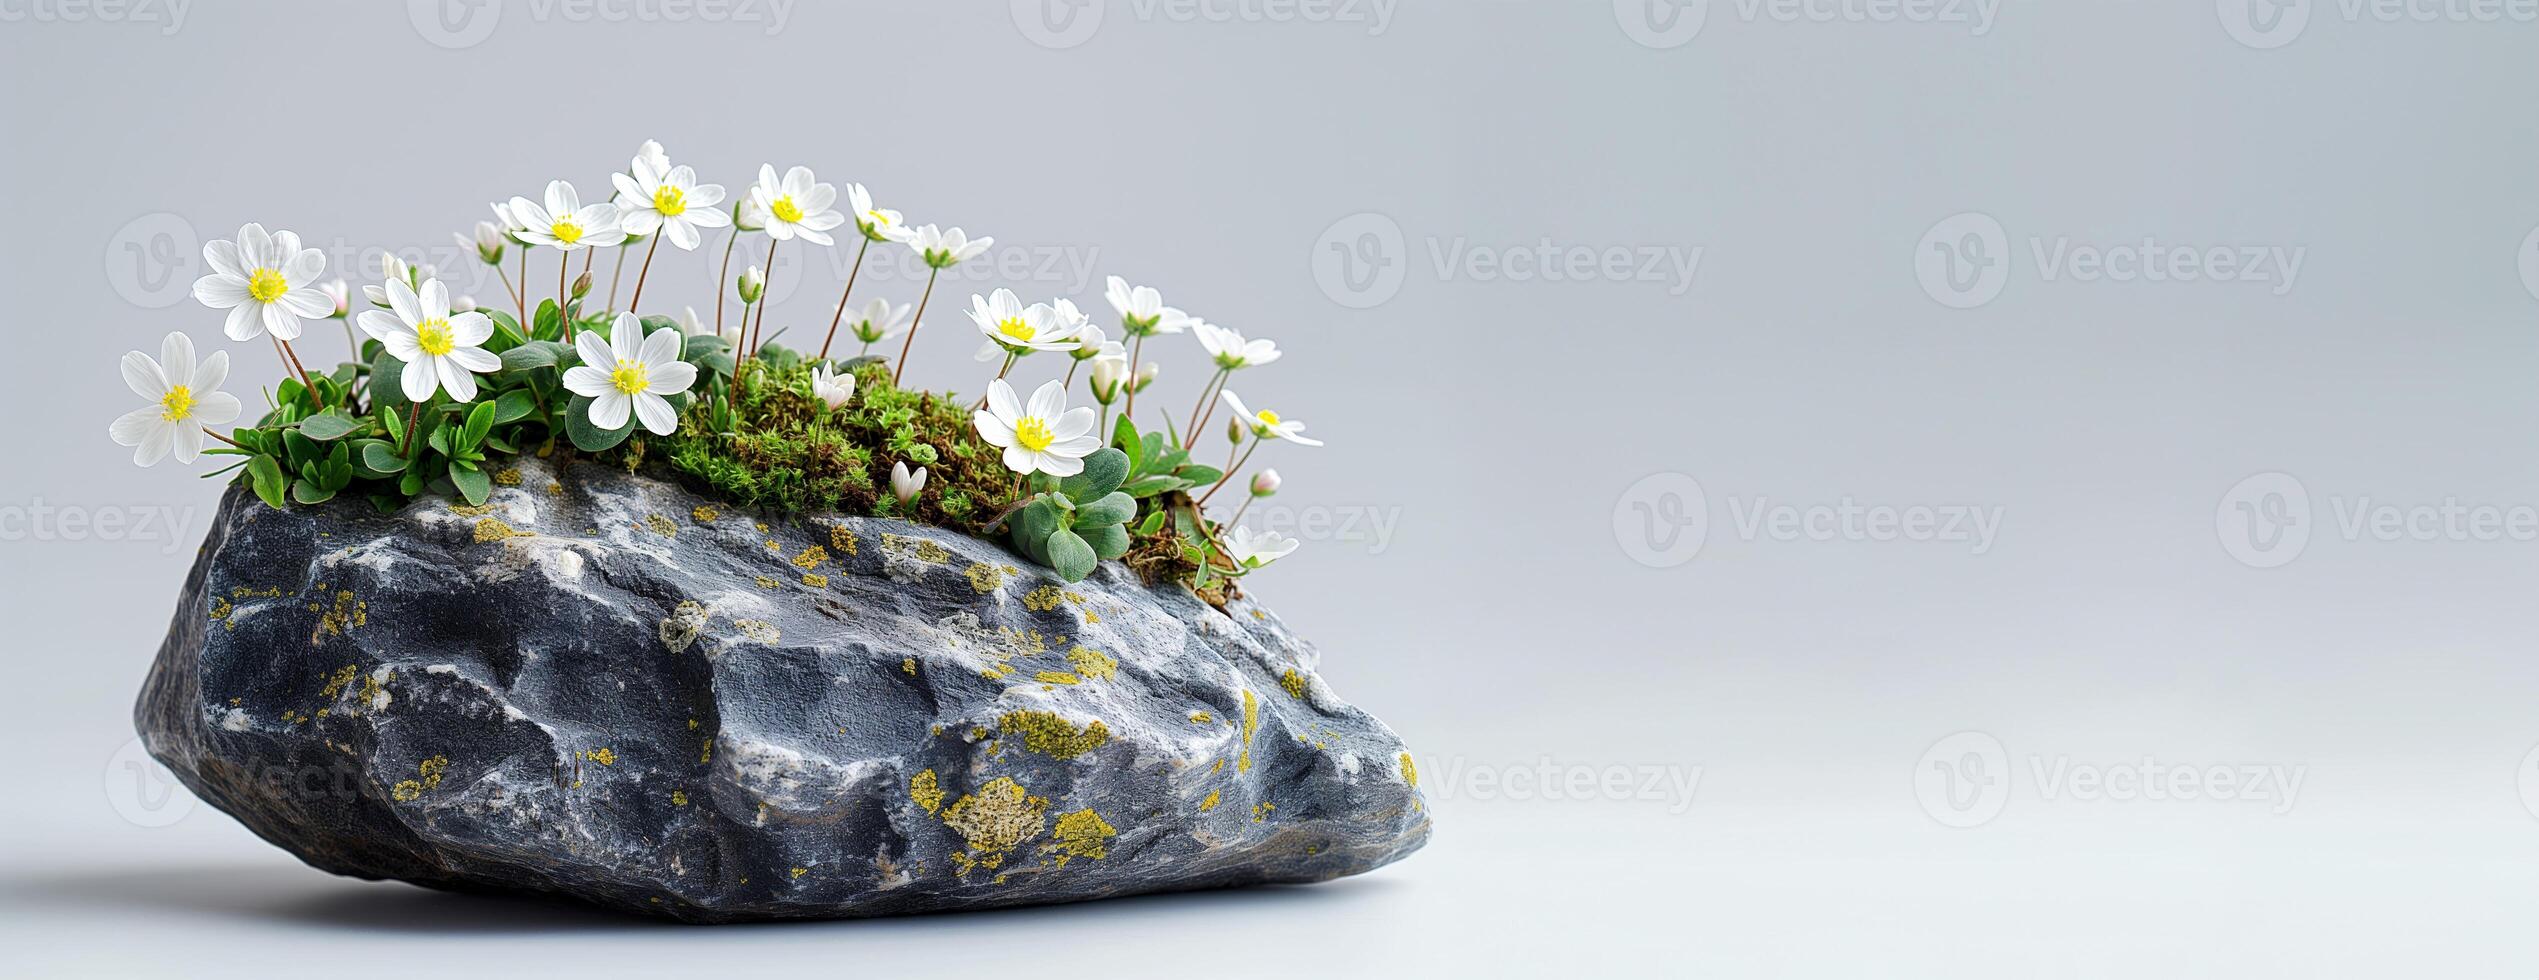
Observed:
{"x":601,"y":685}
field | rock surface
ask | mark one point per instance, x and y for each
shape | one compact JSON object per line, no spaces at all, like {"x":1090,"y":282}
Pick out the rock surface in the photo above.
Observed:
{"x":603,"y":686}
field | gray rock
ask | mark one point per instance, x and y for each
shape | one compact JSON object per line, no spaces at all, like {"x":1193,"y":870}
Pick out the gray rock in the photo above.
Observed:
{"x":603,"y":686}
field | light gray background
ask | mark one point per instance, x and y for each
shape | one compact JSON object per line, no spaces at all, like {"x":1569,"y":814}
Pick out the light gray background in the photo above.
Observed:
{"x":1508,"y":622}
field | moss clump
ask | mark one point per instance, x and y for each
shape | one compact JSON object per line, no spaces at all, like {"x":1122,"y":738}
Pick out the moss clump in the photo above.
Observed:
{"x":782,"y":449}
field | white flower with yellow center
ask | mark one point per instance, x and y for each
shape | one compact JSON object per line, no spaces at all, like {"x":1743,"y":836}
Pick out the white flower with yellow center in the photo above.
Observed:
{"x":1042,"y":437}
{"x":1266,"y":424}
{"x":797,"y":205}
{"x":442,"y":350}
{"x":184,"y":397}
{"x":668,"y":200}
{"x":267,"y":282}
{"x":1013,"y":329}
{"x":565,"y":223}
{"x":630,"y":372}
{"x":943,"y":248}
{"x":1142,"y":310}
{"x":877,"y":224}
{"x":877,"y":321}
{"x":832,"y":388}
{"x":1253,"y":551}
{"x":1230,"y":350}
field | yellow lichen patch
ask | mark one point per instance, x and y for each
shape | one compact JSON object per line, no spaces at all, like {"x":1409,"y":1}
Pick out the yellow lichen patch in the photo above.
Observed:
{"x":678,"y":798}
{"x":815,"y":580}
{"x":1043,"y":599}
{"x":1262,"y":811}
{"x":985,"y":578}
{"x":661,"y":524}
{"x":709,"y":751}
{"x":759,"y":630}
{"x":555,"y":489}
{"x":761,"y":526}
{"x":342,"y":678}
{"x":508,"y":476}
{"x":1046,"y":733}
{"x":1057,"y":677}
{"x":1294,"y":683}
{"x":1203,"y":718}
{"x":374,"y":689}
{"x":1251,"y":724}
{"x":1093,"y":664}
{"x":220,"y":608}
{"x":603,"y":755}
{"x":1081,"y":834}
{"x":919,"y":549}
{"x":996,"y":819}
{"x":1211,"y":802}
{"x":769,"y":582}
{"x":923,"y":789}
{"x":842,"y":540}
{"x":811,"y":557}
{"x":704,"y":515}
{"x":431,"y":769}
{"x":773,"y":546}
{"x":908,"y":666}
{"x":1410,"y":773}
{"x":348,"y":614}
{"x":1259,"y":615}
{"x":489,"y":530}
{"x":471,"y":510}
{"x":406,"y":791}
{"x":799,"y":872}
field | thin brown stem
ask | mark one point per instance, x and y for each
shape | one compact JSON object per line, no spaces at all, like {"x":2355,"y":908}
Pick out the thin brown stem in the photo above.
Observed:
{"x":1206,"y":407}
{"x":1136,"y":352}
{"x":1230,"y":471}
{"x":563,"y":261}
{"x":920,"y":321}
{"x":522,"y":294}
{"x":635,"y":305}
{"x":766,"y":298}
{"x":508,"y":289}
{"x":851,"y":273}
{"x":613,"y":277}
{"x":1000,"y":376}
{"x":293,"y":360}
{"x":1238,"y":512}
{"x":207,"y":430}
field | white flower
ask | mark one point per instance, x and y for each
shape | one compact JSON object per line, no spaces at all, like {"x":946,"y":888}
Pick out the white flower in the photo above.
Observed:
{"x":1142,"y":310}
{"x":831,"y":387}
{"x":1012,"y":328}
{"x":650,"y":152}
{"x":442,"y":350}
{"x":753,"y":284}
{"x":905,"y":483}
{"x":1091,"y":343}
{"x":338,"y":294}
{"x":944,"y":248}
{"x":667,"y":199}
{"x":692,"y":325}
{"x":1266,"y":424}
{"x":1230,"y":350}
{"x":266,"y":282}
{"x":630,"y":371}
{"x":878,"y":321}
{"x":1253,"y":551}
{"x":390,"y":268}
{"x":1265,"y":483}
{"x":877,"y":224}
{"x":488,"y":243}
{"x":796,"y":205}
{"x":1045,"y":437}
{"x":185,"y":397}
{"x":509,"y":222}
{"x":565,"y":222}
{"x":1146,"y":374}
{"x":1108,"y":372}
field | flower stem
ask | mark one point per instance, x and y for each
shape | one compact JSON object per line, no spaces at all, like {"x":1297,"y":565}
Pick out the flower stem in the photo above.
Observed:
{"x":634,"y":305}
{"x":292,"y":361}
{"x":613,"y":277}
{"x":1207,"y":406}
{"x":766,"y":298}
{"x":913,"y":325}
{"x":723,"y":279}
{"x":851,"y":273}
{"x":509,"y":289}
{"x":1000,"y":376}
{"x":563,"y":260}
{"x":207,"y":430}
{"x":1238,"y":512}
{"x":1072,"y":365}
{"x":414,"y":414}
{"x":522,"y":294}
{"x":1136,"y":352}
{"x":1230,"y":471}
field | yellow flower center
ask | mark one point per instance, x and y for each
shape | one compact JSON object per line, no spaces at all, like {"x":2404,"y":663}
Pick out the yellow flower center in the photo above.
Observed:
{"x":266,"y":285}
{"x":630,"y":378}
{"x":176,"y":404}
{"x":566,"y":232}
{"x":434,"y":337}
{"x":1014,"y":327}
{"x":1032,"y":433}
{"x":670,"y":201}
{"x":785,"y":210}
{"x":1268,"y":417}
{"x":877,"y":219}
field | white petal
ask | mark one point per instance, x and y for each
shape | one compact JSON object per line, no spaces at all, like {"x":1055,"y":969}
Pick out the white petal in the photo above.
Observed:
{"x":454,"y":379}
{"x":155,"y":444}
{"x":1076,"y":422}
{"x":402,"y":299}
{"x":662,"y":347}
{"x":189,"y":441}
{"x":216,"y":408}
{"x":1056,"y":465}
{"x":281,"y":322}
{"x":417,"y":379}
{"x":672,"y":377}
{"x":176,"y":358}
{"x":1048,"y":400}
{"x":594,"y":350}
{"x":475,"y":359}
{"x":223,"y":258}
{"x":586,"y":380}
{"x":433,"y":302}
{"x":609,"y":410}
{"x":220,"y":292}
{"x":471,"y":329}
{"x":309,"y":301}
{"x":992,"y":429}
{"x":209,"y":375}
{"x":1021,"y":460}
{"x":142,"y":375}
{"x":130,"y":428}
{"x":654,"y":412}
{"x":626,"y":337}
{"x":246,"y":322}
{"x":1001,"y":400}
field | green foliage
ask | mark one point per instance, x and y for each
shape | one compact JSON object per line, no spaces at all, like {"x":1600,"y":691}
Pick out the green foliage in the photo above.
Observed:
{"x":1071,"y":528}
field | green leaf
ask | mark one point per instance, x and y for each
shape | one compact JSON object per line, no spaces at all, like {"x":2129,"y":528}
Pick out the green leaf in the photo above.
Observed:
{"x":472,"y":483}
{"x":534,"y":354}
{"x":545,"y":324}
{"x":385,"y":389}
{"x":1071,"y":556}
{"x":506,"y":328}
{"x":264,"y":474}
{"x":1112,"y":508}
{"x":1102,"y":474}
{"x":1148,"y":486}
{"x":1124,"y":438}
{"x":591,"y":438}
{"x":328,"y":426}
{"x":1153,"y":523}
{"x":1034,"y":522}
{"x":1109,"y":540}
{"x":514,"y":405}
{"x":1200,"y":474}
{"x":310,"y":493}
{"x":381,"y":457}
{"x":479,"y":422}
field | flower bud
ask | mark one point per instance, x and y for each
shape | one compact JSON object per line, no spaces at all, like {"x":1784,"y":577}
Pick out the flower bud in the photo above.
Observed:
{"x":488,"y":244}
{"x":1146,"y":376}
{"x":753,"y":284}
{"x":392,"y":267}
{"x":1108,"y":372}
{"x":582,"y":286}
{"x":747,"y":218}
{"x":1234,"y":431}
{"x":463,"y":304}
{"x":1264,"y":483}
{"x":905,"y":483}
{"x":337,"y":293}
